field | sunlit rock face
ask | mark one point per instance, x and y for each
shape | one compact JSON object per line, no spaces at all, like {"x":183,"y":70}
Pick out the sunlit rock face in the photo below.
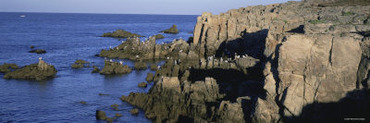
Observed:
{"x":291,"y":62}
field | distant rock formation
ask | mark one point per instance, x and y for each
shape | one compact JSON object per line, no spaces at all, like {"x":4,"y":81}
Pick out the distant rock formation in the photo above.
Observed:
{"x":38,"y":51}
{"x":172,"y":30}
{"x":120,"y":34}
{"x":40,"y":71}
{"x":159,"y":36}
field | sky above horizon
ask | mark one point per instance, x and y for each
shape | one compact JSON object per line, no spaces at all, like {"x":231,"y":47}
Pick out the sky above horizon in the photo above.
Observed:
{"x":182,"y":7}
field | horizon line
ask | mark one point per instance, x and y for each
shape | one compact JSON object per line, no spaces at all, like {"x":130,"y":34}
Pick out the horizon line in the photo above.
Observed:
{"x":97,"y":13}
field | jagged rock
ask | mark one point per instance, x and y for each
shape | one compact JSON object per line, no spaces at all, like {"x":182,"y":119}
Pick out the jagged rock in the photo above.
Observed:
{"x":172,"y":30}
{"x":134,"y":111}
{"x":38,"y":51}
{"x":100,"y":115}
{"x":5,"y":68}
{"x":159,"y":36}
{"x":40,"y":71}
{"x":120,"y":34}
{"x":142,"y":84}
{"x":114,"y":68}
{"x":140,"y":66}
{"x":149,"y":77}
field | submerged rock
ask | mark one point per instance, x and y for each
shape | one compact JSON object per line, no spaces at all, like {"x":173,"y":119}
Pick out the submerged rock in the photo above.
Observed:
{"x":118,"y":115}
{"x":114,"y":68}
{"x":172,"y":30}
{"x":142,"y":84}
{"x":40,"y":71}
{"x":134,"y":111}
{"x":100,"y":115}
{"x":38,"y":51}
{"x":120,"y":34}
{"x":32,"y":46}
{"x":5,"y":68}
{"x":115,"y":107}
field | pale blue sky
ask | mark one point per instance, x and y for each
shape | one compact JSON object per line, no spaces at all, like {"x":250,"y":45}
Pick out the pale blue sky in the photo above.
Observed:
{"x":189,"y":7}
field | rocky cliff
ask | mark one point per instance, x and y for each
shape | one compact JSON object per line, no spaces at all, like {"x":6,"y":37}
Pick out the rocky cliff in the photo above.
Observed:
{"x":308,"y":63}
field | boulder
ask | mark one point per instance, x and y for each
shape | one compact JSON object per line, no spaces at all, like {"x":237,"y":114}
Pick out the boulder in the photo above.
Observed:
{"x":134,"y":111}
{"x":149,"y":77}
{"x":121,"y":34}
{"x":142,"y":84}
{"x":100,"y":115}
{"x":172,"y":30}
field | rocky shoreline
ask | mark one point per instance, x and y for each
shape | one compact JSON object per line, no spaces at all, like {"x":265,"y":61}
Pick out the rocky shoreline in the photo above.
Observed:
{"x":291,"y":62}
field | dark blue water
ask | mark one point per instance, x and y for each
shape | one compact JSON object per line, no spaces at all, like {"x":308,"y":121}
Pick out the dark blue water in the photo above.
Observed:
{"x":67,"y":37}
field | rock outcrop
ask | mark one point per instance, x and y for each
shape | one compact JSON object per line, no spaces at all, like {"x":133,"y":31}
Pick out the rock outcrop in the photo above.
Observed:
{"x":159,"y":36}
{"x":120,"y":34}
{"x":290,"y":62}
{"x":80,"y":64}
{"x":172,"y":30}
{"x":5,"y":68}
{"x":137,"y":50}
{"x":40,"y":71}
{"x":111,"y":68}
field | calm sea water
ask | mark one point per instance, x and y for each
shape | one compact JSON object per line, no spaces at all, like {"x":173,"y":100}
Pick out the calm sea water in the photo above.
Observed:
{"x":67,"y":37}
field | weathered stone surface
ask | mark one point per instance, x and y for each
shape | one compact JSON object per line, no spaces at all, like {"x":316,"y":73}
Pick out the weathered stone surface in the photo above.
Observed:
{"x":301,"y":56}
{"x":40,"y":71}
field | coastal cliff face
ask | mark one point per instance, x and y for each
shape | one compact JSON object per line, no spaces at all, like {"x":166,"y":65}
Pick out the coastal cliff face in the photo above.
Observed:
{"x":310,"y":63}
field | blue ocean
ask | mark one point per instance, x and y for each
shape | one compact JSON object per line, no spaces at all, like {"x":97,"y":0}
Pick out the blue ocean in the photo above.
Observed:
{"x":66,"y":38}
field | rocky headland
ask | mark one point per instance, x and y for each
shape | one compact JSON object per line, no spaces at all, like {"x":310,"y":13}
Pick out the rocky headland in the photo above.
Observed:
{"x":290,"y":62}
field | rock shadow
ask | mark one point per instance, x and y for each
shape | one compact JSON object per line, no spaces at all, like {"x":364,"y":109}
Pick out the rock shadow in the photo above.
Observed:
{"x":251,"y":44}
{"x":352,"y":108}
